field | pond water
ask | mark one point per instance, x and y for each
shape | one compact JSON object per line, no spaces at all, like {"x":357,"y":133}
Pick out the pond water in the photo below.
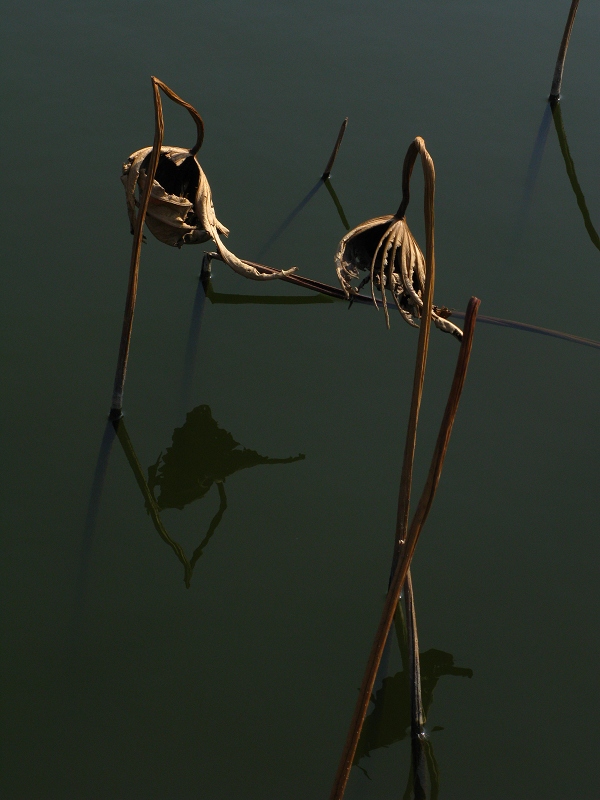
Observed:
{"x":118,"y":681}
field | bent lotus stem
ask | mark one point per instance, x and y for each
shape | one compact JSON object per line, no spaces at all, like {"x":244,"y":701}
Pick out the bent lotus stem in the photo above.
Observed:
{"x":116,"y":410}
{"x":408,"y":548}
{"x":562,"y":55}
{"x":418,"y":146}
{"x":419,"y":376}
{"x":193,"y":113}
{"x":181,"y":209}
{"x":386,"y":249}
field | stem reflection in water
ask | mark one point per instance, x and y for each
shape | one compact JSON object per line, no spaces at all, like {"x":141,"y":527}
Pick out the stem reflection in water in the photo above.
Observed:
{"x":570,"y":166}
{"x":201,"y":454}
{"x":390,"y":718}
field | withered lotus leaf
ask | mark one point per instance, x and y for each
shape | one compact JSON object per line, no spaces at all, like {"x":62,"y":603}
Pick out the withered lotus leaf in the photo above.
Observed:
{"x":386,"y":250}
{"x":180,"y":209}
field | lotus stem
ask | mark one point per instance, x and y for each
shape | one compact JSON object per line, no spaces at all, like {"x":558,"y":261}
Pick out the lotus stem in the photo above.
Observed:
{"x":116,"y":410}
{"x":345,"y":765}
{"x":562,"y":55}
{"x":194,"y":114}
{"x":333,"y":156}
{"x":407,"y":552}
{"x":419,"y":376}
{"x":417,"y":715}
{"x":363,"y":299}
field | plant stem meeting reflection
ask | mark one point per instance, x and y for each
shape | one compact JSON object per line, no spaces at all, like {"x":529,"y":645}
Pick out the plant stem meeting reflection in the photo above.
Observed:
{"x":201,"y":454}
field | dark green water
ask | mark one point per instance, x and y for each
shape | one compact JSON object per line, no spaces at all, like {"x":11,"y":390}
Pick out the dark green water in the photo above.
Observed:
{"x":117,"y":680}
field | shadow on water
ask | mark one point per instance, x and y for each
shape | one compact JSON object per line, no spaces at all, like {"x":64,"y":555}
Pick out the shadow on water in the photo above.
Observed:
{"x":265,"y":299}
{"x":570,"y":166}
{"x":302,"y":204}
{"x":201,"y":454}
{"x":91,"y":519}
{"x":205,"y":292}
{"x":191,"y":347}
{"x":533,"y":170}
{"x":389,"y":721}
{"x":324,"y":179}
{"x":289,"y":219}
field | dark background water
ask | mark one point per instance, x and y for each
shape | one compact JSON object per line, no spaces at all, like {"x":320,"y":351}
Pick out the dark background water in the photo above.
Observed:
{"x":117,"y":681}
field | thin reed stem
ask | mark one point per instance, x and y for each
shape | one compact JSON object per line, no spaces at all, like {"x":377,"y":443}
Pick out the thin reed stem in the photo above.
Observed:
{"x":407,"y":552}
{"x":416,"y":147}
{"x":116,"y":410}
{"x":333,"y":156}
{"x":417,"y":715}
{"x":363,"y":299}
{"x":419,"y":376}
{"x":562,"y":55}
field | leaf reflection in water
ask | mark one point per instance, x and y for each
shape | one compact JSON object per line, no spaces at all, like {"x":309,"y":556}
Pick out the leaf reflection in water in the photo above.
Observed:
{"x":201,"y":454}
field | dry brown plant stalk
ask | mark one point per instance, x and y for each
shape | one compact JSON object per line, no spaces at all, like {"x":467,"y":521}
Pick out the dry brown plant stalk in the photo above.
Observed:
{"x":385,"y":248}
{"x":562,"y":55}
{"x":134,"y":266}
{"x":417,"y":714}
{"x":408,"y":544}
{"x":334,"y":152}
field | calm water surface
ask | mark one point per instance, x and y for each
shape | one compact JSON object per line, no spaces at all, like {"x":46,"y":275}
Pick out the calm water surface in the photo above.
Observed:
{"x":117,"y":680}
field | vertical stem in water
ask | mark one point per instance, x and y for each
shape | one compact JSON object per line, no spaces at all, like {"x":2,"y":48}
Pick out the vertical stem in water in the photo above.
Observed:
{"x":366,"y":689}
{"x":333,"y":156}
{"x":407,"y":551}
{"x":116,"y":409}
{"x":417,"y":717}
{"x":562,"y":55}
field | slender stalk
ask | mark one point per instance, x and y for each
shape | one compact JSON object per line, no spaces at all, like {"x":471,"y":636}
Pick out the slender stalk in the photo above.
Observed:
{"x":524,"y":326}
{"x":363,"y":299}
{"x":194,"y":114}
{"x":116,"y":410}
{"x":423,"y":345}
{"x":416,"y":700}
{"x":562,"y":55}
{"x":407,"y":552}
{"x":345,"y":765}
{"x":333,"y":156}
